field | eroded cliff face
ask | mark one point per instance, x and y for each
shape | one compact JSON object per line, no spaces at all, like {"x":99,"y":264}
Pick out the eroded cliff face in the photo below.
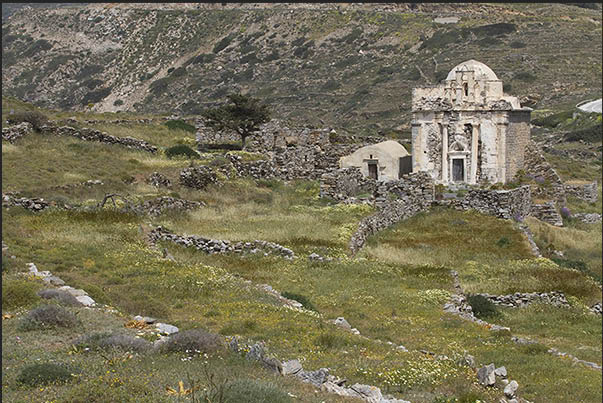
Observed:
{"x":343,"y":65}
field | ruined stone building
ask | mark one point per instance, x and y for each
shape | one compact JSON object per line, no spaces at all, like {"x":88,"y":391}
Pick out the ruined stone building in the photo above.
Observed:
{"x":465,"y":130}
{"x":383,"y":161}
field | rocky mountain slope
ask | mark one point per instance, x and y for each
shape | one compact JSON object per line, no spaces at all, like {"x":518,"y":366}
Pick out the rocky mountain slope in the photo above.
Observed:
{"x":343,"y":65}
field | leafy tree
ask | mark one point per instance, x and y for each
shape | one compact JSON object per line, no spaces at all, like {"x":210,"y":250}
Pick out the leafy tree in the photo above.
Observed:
{"x":244,"y":114}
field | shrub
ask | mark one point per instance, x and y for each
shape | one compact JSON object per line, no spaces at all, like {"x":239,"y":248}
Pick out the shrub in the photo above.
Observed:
{"x":534,"y":349}
{"x":118,"y":102}
{"x":193,"y":340}
{"x":503,"y":241}
{"x":590,"y":134}
{"x":224,"y":42}
{"x":61,"y":296}
{"x":36,"y":118}
{"x":44,"y":374}
{"x":180,"y":125}
{"x":253,"y":391}
{"x":482,"y":307}
{"x":18,"y":293}
{"x":95,"y":96}
{"x":181,"y":150}
{"x":109,"y":388}
{"x":525,"y":76}
{"x":517,"y":45}
{"x":302,"y":299}
{"x":48,"y":316}
{"x":565,"y":212}
{"x":107,"y":341}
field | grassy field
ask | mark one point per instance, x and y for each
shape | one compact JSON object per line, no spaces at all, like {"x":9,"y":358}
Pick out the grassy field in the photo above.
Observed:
{"x":392,"y":291}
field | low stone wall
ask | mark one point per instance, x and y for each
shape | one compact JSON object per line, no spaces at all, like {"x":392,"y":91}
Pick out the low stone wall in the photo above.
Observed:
{"x":15,"y":132}
{"x":588,"y":218}
{"x":522,"y":299}
{"x":213,"y":246}
{"x":508,"y":204}
{"x":538,"y":168}
{"x":102,"y":137}
{"x":198,"y":177}
{"x":548,"y":213}
{"x":88,"y":183}
{"x":156,"y":179}
{"x":344,"y":183}
{"x":414,"y":194}
{"x":34,"y":204}
{"x":587,"y":192}
{"x":260,"y":169}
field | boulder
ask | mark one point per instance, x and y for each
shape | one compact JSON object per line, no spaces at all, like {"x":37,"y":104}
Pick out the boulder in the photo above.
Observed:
{"x":316,"y":378}
{"x":291,"y":367}
{"x":510,"y":389}
{"x":341,"y":322}
{"x":85,"y":300}
{"x":501,"y":371}
{"x":485,"y":375}
{"x":166,"y":329}
{"x":371,"y":394}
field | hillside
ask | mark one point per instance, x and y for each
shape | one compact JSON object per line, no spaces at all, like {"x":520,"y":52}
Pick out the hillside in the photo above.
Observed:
{"x":342,"y":65}
{"x":392,"y":292}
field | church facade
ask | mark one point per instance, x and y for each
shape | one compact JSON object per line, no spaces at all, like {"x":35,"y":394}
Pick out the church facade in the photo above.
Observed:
{"x":465,"y":130}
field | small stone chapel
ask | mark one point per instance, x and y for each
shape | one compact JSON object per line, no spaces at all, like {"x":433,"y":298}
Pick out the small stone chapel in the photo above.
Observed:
{"x":465,"y":130}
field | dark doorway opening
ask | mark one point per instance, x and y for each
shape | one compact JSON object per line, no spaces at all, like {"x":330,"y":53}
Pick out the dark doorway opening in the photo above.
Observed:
{"x":405,"y":166}
{"x":373,"y":172}
{"x":458,"y":170}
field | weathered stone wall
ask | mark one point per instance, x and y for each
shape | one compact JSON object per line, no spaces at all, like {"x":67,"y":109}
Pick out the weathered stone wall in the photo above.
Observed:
{"x":414,"y":194}
{"x":207,"y":135}
{"x":522,"y":299}
{"x":548,"y":213}
{"x":344,"y":183}
{"x":15,"y":132}
{"x":97,"y":135}
{"x":586,"y":191}
{"x":260,"y":169}
{"x":198,"y":177}
{"x":159,"y":205}
{"x":516,"y":139}
{"x":508,"y":204}
{"x":33,"y":204}
{"x":538,"y":168}
{"x":156,"y":179}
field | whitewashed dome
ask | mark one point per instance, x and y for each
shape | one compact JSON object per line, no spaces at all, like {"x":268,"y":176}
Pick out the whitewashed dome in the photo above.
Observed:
{"x":482,"y":72}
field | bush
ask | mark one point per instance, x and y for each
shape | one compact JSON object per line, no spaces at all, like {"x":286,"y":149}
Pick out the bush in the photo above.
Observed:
{"x":517,"y":45}
{"x":222,"y":44}
{"x":181,"y":150}
{"x":502,"y":242}
{"x":36,"y":118}
{"x":18,"y":293}
{"x":534,"y":349}
{"x":44,"y":374}
{"x":525,"y":76}
{"x":180,"y":125}
{"x":118,"y":102}
{"x":61,"y":296}
{"x":590,"y":134}
{"x":252,"y":391}
{"x":107,"y":341}
{"x":482,"y":307}
{"x":193,"y":340}
{"x":302,"y":299}
{"x":48,"y":316}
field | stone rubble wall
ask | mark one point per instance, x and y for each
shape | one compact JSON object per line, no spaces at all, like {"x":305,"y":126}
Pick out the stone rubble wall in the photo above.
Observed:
{"x":88,"y":183}
{"x":343,"y":183}
{"x":508,"y":204}
{"x":536,"y":166}
{"x":415,"y":194}
{"x":213,"y":246}
{"x":15,"y":132}
{"x":522,"y":299}
{"x":587,"y":192}
{"x":260,"y":169}
{"x":96,"y":135}
{"x":198,"y":177}
{"x":419,"y":184}
{"x":158,"y":205}
{"x":588,"y":218}
{"x":33,"y":204}
{"x":548,"y":213}
{"x":156,"y":179}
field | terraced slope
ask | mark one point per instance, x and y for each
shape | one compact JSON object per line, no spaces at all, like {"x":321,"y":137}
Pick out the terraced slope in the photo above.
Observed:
{"x":342,"y":65}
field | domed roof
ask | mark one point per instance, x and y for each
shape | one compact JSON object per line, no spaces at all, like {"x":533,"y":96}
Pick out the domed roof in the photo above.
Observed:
{"x":482,"y":72}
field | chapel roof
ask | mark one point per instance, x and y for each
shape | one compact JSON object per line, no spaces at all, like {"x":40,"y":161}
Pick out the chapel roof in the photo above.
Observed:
{"x":482,"y":72}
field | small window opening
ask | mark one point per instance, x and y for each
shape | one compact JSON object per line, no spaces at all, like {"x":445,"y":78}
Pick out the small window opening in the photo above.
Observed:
{"x":371,"y":156}
{"x":466,"y":89}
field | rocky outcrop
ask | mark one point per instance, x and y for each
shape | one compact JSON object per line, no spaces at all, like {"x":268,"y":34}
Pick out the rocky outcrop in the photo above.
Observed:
{"x":102,"y":137}
{"x":213,"y":246}
{"x":12,"y":133}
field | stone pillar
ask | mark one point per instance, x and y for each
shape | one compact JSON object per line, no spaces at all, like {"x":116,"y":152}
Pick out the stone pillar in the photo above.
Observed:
{"x":502,"y":144}
{"x":474,"y":156}
{"x":444,"y":153}
{"x":417,"y":147}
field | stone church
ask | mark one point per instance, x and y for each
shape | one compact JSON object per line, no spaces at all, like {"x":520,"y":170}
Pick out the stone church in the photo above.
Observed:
{"x":465,"y":130}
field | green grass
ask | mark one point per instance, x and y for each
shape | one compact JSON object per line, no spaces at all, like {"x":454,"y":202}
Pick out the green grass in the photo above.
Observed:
{"x":393,"y":290}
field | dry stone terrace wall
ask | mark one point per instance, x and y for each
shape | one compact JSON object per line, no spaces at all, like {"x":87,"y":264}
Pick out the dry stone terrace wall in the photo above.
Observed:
{"x":213,"y":246}
{"x":587,"y":192}
{"x":522,"y":299}
{"x":33,"y":204}
{"x":15,"y":132}
{"x":96,"y":135}
{"x":508,"y":204}
{"x":548,"y":213}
